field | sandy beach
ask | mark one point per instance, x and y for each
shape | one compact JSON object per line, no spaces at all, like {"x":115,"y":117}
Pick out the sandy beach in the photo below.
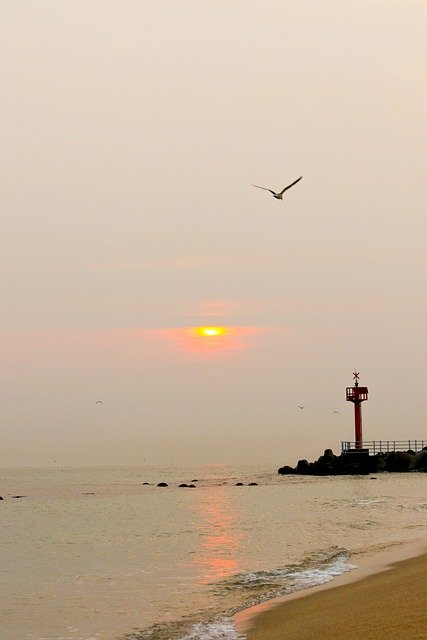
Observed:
{"x":71,"y":547}
{"x":384,"y":598}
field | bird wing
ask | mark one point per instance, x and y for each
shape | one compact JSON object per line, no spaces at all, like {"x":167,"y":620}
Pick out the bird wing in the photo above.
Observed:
{"x":265,"y":189}
{"x":289,"y":186}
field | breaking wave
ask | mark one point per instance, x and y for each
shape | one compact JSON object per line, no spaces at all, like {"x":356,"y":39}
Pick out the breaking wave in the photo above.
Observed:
{"x":253,"y":588}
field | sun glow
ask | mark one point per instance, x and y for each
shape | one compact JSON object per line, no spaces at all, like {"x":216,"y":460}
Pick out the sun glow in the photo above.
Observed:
{"x":210,"y":332}
{"x":211,"y":340}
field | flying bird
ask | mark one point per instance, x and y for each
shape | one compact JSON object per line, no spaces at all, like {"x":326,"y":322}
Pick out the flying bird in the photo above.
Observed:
{"x":278,"y":195}
{"x":300,"y":406}
{"x":335,"y":412}
{"x":99,"y":402}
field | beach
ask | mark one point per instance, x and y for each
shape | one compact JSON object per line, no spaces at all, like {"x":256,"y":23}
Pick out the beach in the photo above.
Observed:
{"x":97,"y":553}
{"x":384,"y":599}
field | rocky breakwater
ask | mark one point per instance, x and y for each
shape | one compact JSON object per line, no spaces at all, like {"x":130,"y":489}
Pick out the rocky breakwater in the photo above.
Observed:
{"x":359,"y":462}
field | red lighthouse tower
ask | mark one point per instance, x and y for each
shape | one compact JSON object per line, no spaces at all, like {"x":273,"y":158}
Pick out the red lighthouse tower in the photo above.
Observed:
{"x":357,"y":395}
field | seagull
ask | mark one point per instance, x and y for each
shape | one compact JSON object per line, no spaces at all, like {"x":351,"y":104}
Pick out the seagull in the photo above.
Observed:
{"x":99,"y":402}
{"x":335,"y":412}
{"x":300,"y":406}
{"x":279,"y":195}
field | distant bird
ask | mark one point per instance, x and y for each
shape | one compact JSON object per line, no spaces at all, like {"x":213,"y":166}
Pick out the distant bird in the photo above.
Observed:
{"x":300,"y":406}
{"x":99,"y":402}
{"x":335,"y":412}
{"x":278,"y":195}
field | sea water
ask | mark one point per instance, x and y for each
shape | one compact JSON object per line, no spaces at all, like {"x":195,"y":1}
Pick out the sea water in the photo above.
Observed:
{"x":98,"y":554}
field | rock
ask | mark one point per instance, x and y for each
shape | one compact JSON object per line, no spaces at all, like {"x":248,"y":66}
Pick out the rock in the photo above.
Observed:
{"x":381,"y":462}
{"x":253,"y":484}
{"x":420,"y":460}
{"x":192,"y":486}
{"x":286,"y":470}
{"x":18,"y":496}
{"x":162,"y":484}
{"x":358,"y":461}
{"x":145,"y":483}
{"x":398,"y":461}
{"x":1,"y":497}
{"x":303,"y":467}
{"x":329,"y":455}
{"x":239,"y":484}
{"x":183,"y":485}
{"x":194,"y":481}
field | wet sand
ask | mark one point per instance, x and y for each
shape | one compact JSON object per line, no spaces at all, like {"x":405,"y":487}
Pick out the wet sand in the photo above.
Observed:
{"x":384,"y":599}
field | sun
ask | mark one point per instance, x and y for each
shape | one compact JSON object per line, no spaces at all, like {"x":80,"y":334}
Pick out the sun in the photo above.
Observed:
{"x":211,"y":340}
{"x":211,"y":332}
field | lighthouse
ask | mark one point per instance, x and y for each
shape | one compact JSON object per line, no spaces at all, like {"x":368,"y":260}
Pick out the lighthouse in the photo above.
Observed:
{"x":357,"y":395}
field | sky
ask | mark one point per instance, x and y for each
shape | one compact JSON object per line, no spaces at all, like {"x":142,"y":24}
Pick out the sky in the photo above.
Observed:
{"x":132,"y":133}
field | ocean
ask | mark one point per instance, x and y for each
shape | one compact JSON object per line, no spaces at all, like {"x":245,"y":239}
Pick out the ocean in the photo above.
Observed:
{"x":98,"y":554}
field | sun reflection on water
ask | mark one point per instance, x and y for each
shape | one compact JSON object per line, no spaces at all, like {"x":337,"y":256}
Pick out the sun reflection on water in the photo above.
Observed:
{"x":218,"y":554}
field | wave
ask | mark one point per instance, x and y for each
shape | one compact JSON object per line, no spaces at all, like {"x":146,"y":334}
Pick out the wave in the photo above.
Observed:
{"x":252,"y":588}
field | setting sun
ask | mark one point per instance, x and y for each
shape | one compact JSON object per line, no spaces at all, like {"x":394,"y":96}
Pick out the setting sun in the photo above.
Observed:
{"x":211,"y":331}
{"x":211,"y":339}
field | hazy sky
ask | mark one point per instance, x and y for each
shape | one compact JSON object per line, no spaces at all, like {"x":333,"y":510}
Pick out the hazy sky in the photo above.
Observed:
{"x":132,"y":132}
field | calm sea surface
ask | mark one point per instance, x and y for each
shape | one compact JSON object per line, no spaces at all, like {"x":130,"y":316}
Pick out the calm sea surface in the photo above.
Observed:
{"x":96,"y":554}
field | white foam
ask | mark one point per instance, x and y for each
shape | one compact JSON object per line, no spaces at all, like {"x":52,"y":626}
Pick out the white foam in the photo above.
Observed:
{"x":305,"y":578}
{"x":294,"y":578}
{"x":222,"y":629}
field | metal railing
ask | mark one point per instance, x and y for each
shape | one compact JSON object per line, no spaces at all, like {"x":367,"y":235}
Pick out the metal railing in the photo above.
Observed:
{"x":385,"y":446}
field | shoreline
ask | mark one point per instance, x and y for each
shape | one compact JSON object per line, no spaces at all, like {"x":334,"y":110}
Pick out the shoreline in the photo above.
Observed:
{"x":360,"y":604}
